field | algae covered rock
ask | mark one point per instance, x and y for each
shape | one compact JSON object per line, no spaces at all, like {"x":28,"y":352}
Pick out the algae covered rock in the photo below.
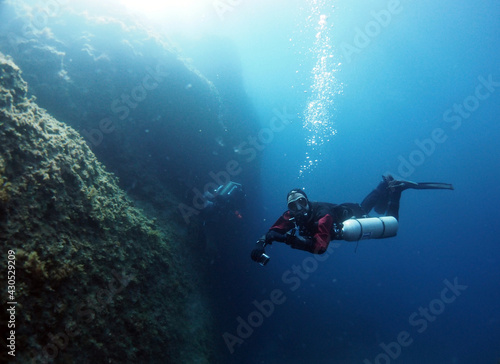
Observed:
{"x":95,"y":279}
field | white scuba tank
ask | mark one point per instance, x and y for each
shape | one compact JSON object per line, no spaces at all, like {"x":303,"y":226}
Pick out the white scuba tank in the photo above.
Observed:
{"x":369,"y":228}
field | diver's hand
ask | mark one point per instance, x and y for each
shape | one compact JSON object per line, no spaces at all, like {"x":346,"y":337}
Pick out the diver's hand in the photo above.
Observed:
{"x":291,"y":238}
{"x":275,"y":236}
{"x":256,"y":254}
{"x":299,"y":242}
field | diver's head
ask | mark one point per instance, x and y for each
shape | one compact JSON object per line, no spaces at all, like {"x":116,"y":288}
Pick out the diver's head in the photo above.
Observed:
{"x":298,"y":204}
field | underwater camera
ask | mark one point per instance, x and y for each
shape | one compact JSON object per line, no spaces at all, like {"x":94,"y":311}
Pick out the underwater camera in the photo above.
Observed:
{"x":259,"y":255}
{"x":262,"y":259}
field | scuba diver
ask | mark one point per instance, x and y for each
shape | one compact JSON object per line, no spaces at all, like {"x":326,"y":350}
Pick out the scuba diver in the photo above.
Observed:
{"x":223,"y":207}
{"x":310,"y":226}
{"x":226,"y":199}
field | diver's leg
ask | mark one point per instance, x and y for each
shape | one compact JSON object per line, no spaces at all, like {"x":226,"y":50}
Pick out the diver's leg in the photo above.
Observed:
{"x":378,"y":199}
{"x":396,"y":187}
{"x":385,"y":198}
{"x":393,"y":206}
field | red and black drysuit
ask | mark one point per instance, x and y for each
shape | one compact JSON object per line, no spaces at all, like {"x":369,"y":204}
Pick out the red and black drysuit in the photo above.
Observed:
{"x":317,"y":230}
{"x":324,"y":220}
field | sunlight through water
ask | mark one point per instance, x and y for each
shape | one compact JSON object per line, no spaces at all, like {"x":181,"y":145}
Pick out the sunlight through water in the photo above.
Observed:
{"x":320,"y":109}
{"x":174,"y":16}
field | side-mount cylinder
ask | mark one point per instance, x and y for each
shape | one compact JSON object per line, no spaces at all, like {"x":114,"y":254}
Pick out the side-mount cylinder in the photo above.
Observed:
{"x":369,"y":228}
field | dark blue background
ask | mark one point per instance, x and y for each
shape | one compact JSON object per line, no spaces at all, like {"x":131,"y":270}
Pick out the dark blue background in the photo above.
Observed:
{"x":395,"y":91}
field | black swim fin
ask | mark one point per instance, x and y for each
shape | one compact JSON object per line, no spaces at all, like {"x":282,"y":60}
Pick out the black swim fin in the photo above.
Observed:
{"x":432,"y":186}
{"x":399,"y":186}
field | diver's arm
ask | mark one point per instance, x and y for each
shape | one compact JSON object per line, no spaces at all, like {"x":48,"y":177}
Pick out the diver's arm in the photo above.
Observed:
{"x":258,"y":253}
{"x":283,"y":224}
{"x":276,"y":232}
{"x":319,"y":242}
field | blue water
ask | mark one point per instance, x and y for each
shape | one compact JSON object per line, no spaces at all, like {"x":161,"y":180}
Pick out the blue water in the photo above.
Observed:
{"x":415,"y":93}
{"x":394,"y":91}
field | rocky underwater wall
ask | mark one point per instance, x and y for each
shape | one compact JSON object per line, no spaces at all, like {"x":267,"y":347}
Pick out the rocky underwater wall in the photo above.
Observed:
{"x":149,"y":115}
{"x":123,"y":98}
{"x":95,"y":279}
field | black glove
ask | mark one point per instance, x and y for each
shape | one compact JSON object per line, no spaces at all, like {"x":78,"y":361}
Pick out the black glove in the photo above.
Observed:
{"x":256,"y":254}
{"x":275,"y":236}
{"x":300,"y":242}
{"x":289,"y":238}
